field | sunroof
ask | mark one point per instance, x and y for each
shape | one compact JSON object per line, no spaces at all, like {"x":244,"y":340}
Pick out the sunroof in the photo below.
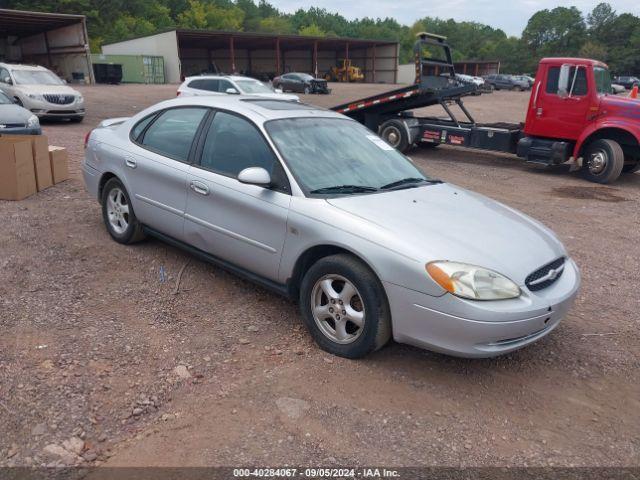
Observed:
{"x":280,"y":104}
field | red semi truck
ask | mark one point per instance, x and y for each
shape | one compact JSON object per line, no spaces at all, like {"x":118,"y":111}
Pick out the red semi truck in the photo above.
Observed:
{"x":572,"y":116}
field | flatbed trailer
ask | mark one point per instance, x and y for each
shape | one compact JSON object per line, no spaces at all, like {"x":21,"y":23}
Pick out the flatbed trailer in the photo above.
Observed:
{"x":390,"y":113}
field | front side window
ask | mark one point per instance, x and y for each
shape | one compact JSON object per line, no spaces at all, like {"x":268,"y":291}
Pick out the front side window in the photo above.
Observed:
{"x":576,"y":80}
{"x":224,"y":85}
{"x":234,"y":144}
{"x":36,"y":77}
{"x":173,"y":132}
{"x":323,"y":153}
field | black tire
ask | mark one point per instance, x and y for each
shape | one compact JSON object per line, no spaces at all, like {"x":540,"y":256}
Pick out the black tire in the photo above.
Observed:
{"x":428,"y":145}
{"x":395,"y":134}
{"x":376,"y":330}
{"x":603,"y":161}
{"x":18,"y":101}
{"x":133,"y":233}
{"x":78,"y":119}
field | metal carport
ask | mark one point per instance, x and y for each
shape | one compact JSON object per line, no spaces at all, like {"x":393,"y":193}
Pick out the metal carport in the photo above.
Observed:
{"x":54,"y":40}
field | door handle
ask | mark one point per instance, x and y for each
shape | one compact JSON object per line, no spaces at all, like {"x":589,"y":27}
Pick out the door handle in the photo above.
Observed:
{"x":130,"y":162}
{"x":199,"y":187}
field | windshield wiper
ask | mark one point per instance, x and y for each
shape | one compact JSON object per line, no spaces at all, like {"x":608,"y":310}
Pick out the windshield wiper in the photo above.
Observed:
{"x":407,"y":183}
{"x":345,"y":189}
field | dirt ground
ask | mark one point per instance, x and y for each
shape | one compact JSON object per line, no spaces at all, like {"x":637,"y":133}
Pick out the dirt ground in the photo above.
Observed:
{"x":104,"y":360}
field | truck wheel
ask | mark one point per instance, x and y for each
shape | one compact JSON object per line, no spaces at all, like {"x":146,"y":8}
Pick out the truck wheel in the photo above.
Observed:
{"x":395,"y":134}
{"x":603,"y":161}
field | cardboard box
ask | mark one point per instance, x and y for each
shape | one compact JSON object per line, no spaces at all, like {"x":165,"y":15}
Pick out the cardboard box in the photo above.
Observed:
{"x":39,"y":145}
{"x":59,"y":163}
{"x":17,"y":173}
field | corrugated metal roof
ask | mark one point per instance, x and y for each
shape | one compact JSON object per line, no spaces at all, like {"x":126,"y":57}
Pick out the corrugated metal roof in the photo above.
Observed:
{"x":21,"y":23}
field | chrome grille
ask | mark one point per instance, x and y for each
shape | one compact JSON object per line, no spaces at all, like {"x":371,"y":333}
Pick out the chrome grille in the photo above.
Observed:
{"x":58,"y":99}
{"x":545,"y":276}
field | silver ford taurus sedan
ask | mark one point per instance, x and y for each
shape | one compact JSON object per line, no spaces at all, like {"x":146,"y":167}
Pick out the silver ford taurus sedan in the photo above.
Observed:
{"x":313,"y":205}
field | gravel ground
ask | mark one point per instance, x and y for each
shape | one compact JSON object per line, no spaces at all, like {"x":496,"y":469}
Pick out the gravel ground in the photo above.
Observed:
{"x":105,"y":360}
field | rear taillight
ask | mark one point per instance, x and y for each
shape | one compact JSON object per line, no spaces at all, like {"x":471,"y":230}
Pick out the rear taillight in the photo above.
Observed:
{"x":86,"y":138}
{"x":178,"y":93}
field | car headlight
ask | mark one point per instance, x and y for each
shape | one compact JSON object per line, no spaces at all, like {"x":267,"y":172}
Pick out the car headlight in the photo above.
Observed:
{"x":33,"y":121}
{"x":79,"y":98}
{"x":473,"y":282}
{"x":35,"y":96}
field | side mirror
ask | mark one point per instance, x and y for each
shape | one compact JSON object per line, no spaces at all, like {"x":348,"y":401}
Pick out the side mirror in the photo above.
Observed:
{"x":7,"y":80}
{"x":255,"y":176}
{"x":232,"y":91}
{"x":563,"y":81}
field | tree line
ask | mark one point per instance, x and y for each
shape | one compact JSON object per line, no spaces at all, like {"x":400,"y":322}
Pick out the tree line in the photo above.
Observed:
{"x":602,"y":34}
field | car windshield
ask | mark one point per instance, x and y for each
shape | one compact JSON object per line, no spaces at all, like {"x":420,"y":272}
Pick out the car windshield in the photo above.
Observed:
{"x":305,"y":76}
{"x":4,"y":100}
{"x":603,"y":79}
{"x":332,"y":155}
{"x":253,"y":86}
{"x":36,"y":77}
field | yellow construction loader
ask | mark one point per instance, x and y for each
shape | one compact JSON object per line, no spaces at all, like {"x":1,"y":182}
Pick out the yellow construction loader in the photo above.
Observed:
{"x":345,"y":72}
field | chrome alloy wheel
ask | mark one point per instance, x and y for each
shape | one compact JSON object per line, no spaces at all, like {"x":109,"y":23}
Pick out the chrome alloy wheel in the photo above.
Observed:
{"x":597,"y":162}
{"x":338,"y":309}
{"x":118,"y":211}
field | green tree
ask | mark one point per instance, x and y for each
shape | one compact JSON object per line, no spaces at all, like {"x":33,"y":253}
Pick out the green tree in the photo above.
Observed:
{"x":275,"y":25}
{"x":557,"y":32}
{"x":312,"y":30}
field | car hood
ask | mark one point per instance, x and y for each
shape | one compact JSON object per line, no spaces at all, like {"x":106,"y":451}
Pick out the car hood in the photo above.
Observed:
{"x":12,"y":113}
{"x":48,"y":89}
{"x":444,"y":222}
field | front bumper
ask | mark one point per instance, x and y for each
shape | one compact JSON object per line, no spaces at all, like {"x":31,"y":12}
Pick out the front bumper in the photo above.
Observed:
{"x":473,"y":329}
{"x":58,"y":112}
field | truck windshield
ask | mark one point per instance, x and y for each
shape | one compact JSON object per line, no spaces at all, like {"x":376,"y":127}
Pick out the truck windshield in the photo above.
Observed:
{"x":603,"y":79}
{"x":332,"y":154}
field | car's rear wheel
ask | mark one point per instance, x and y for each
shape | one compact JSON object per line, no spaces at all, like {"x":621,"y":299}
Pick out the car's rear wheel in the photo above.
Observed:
{"x":344,"y":307}
{"x":603,"y":161}
{"x":18,"y":101}
{"x":118,"y":215}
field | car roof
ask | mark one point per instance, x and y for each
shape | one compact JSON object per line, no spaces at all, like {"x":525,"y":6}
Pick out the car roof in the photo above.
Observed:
{"x":219,"y":76}
{"x":258,"y":109}
{"x":19,"y":66}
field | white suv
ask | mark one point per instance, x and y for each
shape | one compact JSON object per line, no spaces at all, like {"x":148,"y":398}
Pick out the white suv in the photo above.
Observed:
{"x":41,"y":91}
{"x":230,"y":84}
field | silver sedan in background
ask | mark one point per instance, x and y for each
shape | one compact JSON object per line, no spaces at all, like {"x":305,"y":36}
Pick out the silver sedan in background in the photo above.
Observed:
{"x":314,"y":206}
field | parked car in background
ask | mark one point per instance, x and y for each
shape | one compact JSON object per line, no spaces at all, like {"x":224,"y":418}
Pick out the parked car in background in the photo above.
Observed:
{"x":526,"y":78}
{"x":16,"y":120}
{"x":301,"y":82}
{"x":41,"y":91}
{"x":229,"y":84}
{"x":627,"y":81}
{"x":317,"y":207}
{"x":507,"y":82}
{"x":617,"y":89}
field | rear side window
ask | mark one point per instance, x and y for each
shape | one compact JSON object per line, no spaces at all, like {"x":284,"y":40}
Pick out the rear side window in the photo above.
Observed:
{"x":140,"y":126}
{"x":173,"y":131}
{"x":224,"y":84}
{"x":208,"y":84}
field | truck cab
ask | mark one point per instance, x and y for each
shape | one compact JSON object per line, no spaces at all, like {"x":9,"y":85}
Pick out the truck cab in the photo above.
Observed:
{"x":572,"y":116}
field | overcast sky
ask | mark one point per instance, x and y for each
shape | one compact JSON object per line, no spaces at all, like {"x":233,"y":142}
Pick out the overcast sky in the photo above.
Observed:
{"x":509,"y":15}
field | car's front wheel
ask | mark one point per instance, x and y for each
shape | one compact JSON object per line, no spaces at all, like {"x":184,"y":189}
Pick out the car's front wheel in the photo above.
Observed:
{"x":118,"y":215}
{"x":344,"y":307}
